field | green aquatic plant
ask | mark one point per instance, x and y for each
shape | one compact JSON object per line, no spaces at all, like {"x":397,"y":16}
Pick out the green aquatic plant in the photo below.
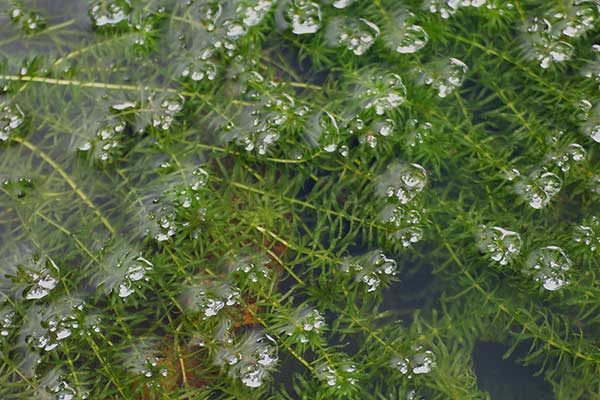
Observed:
{"x":298,"y":199}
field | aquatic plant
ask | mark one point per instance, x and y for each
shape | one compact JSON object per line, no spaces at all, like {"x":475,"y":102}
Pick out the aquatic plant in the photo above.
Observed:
{"x":297,"y":199}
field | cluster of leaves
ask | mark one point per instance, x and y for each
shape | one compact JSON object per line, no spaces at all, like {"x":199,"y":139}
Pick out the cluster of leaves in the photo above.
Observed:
{"x":315,"y":199}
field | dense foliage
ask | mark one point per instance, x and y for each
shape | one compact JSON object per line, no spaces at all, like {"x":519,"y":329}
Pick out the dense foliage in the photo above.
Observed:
{"x":297,"y":199}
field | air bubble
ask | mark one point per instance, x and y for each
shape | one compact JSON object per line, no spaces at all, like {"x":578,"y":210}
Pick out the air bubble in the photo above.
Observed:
{"x":208,"y":12}
{"x":143,"y":359}
{"x":584,"y":108}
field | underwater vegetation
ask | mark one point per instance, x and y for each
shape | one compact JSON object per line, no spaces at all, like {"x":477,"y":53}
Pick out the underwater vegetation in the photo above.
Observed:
{"x":300,"y":199}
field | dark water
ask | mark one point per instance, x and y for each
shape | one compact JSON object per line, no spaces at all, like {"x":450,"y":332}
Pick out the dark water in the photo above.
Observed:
{"x":507,"y":379}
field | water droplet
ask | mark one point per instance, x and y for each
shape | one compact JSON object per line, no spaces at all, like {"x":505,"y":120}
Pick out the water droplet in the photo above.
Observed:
{"x":444,"y":76}
{"x":418,"y":132}
{"x":539,"y":187}
{"x":109,"y":13}
{"x":40,"y":281}
{"x":370,"y":268}
{"x":304,"y":326}
{"x":124,"y":105}
{"x":423,"y":361}
{"x":323,"y":131}
{"x":500,"y":244}
{"x":11,"y":118}
{"x":303,"y":15}
{"x":251,"y":359}
{"x":357,"y":35}
{"x":584,"y":108}
{"x":417,"y":362}
{"x":401,"y":182}
{"x":30,"y":22}
{"x":588,"y":234}
{"x":210,"y":299}
{"x":343,"y":3}
{"x":253,"y":269}
{"x":199,"y":70}
{"x":339,"y":376}
{"x":445,"y":8}
{"x":579,"y":17}
{"x":54,"y":385}
{"x":543,"y":44}
{"x":385,"y":127}
{"x":403,"y":35}
{"x":549,"y":265}
{"x":253,"y":14}
{"x":592,"y":126}
{"x":208,"y":12}
{"x":383,"y":93}
{"x":7,"y":318}
{"x":120,"y":269}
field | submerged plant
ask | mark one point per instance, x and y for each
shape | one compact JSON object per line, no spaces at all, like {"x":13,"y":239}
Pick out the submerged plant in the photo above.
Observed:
{"x":296,"y":199}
